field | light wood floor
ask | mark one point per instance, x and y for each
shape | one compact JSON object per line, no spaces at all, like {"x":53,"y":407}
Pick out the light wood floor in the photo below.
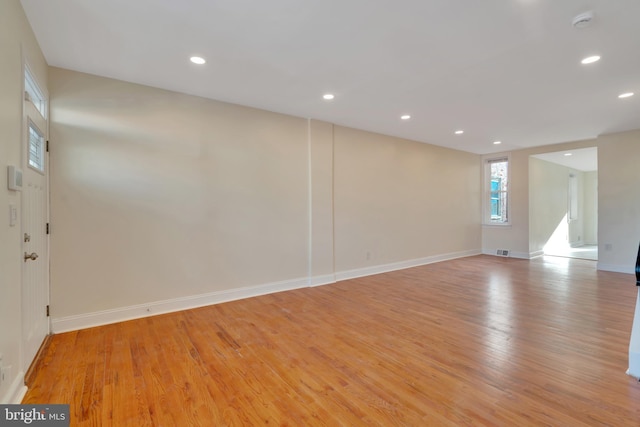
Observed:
{"x":475,"y":341}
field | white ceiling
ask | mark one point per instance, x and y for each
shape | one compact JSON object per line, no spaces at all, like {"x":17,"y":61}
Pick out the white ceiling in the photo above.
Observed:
{"x":505,"y":70}
{"x":584,"y":159}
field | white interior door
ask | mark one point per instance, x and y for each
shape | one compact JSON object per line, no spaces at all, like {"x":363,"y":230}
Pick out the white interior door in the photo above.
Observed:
{"x":35,"y":253}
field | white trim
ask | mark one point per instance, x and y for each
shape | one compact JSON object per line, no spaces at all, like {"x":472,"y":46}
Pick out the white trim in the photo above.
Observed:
{"x":377,"y":269}
{"x":41,"y":122}
{"x":634,"y":343}
{"x":512,"y":254}
{"x":43,"y":95}
{"x":17,"y":390}
{"x":536,"y":254}
{"x":628,"y":269}
{"x":325,"y":279}
{"x":309,"y":204}
{"x":519,"y":255}
{"x":104,"y":317}
{"x":486,"y":189}
{"x":497,"y":225}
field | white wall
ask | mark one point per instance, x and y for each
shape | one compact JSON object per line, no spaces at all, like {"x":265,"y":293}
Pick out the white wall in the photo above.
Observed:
{"x":591,"y":208}
{"x":549,"y":202}
{"x":161,"y":201}
{"x":16,"y":41}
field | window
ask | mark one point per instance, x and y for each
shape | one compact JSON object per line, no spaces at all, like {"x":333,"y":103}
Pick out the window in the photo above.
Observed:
{"x":497,"y":190}
{"x":33,"y":93}
{"x":36,"y":148}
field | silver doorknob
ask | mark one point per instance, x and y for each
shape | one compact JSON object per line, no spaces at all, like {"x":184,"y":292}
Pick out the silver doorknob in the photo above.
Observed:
{"x":32,"y":257}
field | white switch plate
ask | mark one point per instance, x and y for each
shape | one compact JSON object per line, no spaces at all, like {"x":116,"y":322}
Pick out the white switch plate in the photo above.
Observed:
{"x":13,"y":215}
{"x":14,"y":178}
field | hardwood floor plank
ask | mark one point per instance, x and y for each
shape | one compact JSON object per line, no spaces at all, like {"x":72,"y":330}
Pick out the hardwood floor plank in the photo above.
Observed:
{"x":479,"y":341}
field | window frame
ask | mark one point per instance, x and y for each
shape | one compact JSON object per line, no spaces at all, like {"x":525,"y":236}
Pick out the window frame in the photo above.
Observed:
{"x":487,"y":191}
{"x":34,"y":94}
{"x":42,"y":148}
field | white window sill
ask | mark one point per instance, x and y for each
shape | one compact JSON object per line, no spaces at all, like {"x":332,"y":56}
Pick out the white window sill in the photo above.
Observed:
{"x":496,"y":225}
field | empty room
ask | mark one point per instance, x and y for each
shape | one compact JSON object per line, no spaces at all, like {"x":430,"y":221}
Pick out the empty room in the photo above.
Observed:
{"x":238,"y":213}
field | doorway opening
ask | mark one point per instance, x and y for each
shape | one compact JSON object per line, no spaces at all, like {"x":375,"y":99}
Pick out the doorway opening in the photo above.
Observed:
{"x":564,"y":203}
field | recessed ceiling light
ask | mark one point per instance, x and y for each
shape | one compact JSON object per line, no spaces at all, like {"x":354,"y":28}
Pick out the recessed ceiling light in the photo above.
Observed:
{"x":590,"y":59}
{"x":405,"y":117}
{"x":497,"y":142}
{"x":328,"y":96}
{"x":568,"y":154}
{"x":625,"y":95}
{"x":197,"y":60}
{"x":459,"y":132}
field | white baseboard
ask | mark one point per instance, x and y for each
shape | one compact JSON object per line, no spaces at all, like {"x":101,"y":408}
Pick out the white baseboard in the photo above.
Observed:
{"x":120,"y":314}
{"x":512,"y":254}
{"x":105,"y":317}
{"x":384,"y":268}
{"x":628,"y":269}
{"x":16,"y":391}
{"x":325,"y":279}
{"x":535,"y":254}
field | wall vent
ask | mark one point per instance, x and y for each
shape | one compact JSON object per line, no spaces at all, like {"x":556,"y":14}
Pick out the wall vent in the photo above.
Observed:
{"x":503,"y":252}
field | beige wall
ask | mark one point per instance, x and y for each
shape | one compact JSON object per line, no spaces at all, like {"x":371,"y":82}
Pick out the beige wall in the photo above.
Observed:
{"x":321,"y":261}
{"x":16,"y":41}
{"x":398,"y":200}
{"x":161,"y":196}
{"x":618,"y":201}
{"x":158,"y":196}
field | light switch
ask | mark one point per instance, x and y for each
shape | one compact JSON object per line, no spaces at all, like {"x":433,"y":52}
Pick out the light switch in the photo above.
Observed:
{"x":13,"y":215}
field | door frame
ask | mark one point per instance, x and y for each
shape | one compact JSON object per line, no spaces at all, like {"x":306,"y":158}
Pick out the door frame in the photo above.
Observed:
{"x":27,"y":118}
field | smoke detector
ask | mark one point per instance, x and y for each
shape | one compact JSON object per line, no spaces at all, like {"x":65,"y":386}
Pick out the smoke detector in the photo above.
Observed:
{"x":583,"y":20}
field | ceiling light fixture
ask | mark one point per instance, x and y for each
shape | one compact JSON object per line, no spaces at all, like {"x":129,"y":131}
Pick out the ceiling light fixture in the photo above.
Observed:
{"x":459,"y":132}
{"x":328,"y":96}
{"x":405,"y":117}
{"x":197,"y":60}
{"x":625,"y":95}
{"x":568,"y":154}
{"x":590,"y":59}
{"x":583,"y":20}
{"x":497,"y":142}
